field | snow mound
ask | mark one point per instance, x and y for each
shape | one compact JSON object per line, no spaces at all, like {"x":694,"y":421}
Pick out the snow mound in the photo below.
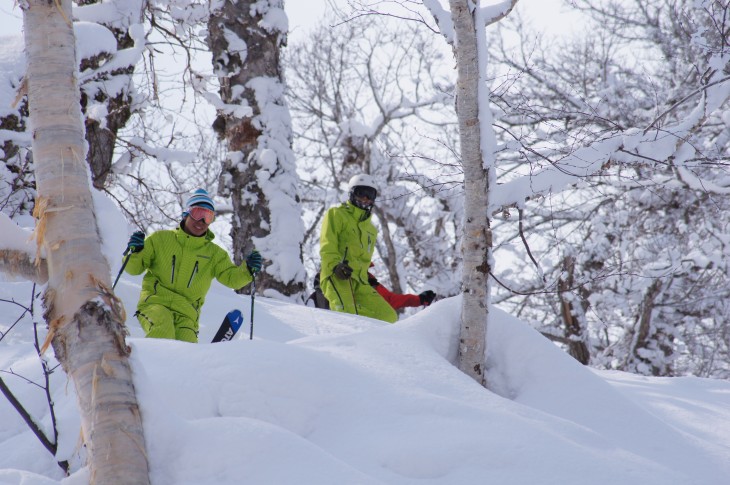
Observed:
{"x":327,"y":398}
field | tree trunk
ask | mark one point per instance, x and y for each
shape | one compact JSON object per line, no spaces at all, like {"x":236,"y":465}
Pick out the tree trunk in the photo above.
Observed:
{"x":85,"y":319}
{"x":102,"y":137}
{"x":476,"y":240}
{"x":650,"y":348}
{"x":389,"y":255}
{"x":18,"y":191}
{"x":259,"y":173}
{"x":572,"y":315}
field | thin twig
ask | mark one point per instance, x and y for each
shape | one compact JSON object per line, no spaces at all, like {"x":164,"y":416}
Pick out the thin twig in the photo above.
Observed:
{"x":50,"y":445}
{"x":25,"y":310}
{"x":520,"y":227}
{"x":684,"y":99}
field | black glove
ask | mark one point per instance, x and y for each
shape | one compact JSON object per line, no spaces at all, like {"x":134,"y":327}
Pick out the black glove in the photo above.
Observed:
{"x":254,"y":262}
{"x":136,"y":242}
{"x":343,"y":270}
{"x":427,"y":297}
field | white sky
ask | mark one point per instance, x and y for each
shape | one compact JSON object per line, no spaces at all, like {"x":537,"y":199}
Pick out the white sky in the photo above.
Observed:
{"x":547,"y":14}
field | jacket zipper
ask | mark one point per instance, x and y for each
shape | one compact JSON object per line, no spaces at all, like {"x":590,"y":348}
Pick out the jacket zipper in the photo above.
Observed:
{"x":154,"y":291}
{"x":195,"y":270}
{"x":172,"y":275}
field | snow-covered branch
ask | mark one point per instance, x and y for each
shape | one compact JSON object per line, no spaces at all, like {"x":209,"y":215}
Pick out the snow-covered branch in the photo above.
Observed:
{"x":495,"y":13}
{"x":661,"y":145}
{"x":443,"y":19}
{"x":20,"y":264}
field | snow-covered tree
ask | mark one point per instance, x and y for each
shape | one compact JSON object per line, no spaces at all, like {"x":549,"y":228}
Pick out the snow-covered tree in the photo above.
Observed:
{"x":259,"y":173}
{"x":628,"y":260}
{"x":110,"y":42}
{"x":16,"y":173}
{"x":464,"y":27}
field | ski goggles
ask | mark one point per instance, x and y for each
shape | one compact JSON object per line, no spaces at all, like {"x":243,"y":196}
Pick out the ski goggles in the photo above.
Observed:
{"x":198,"y":213}
{"x":365,"y":192}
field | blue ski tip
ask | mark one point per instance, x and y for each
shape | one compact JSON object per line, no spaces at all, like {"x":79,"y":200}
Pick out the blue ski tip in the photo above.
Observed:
{"x":235,"y":317}
{"x":229,"y":327}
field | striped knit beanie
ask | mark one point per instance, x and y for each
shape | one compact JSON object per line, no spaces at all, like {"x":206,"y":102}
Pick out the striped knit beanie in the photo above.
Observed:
{"x":200,"y":197}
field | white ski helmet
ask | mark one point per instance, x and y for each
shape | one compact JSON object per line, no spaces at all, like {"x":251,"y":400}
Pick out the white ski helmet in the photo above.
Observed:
{"x":363,"y":183}
{"x":362,"y":179}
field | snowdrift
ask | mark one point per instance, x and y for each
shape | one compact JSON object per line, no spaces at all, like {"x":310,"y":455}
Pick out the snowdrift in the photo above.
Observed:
{"x":325,"y":398}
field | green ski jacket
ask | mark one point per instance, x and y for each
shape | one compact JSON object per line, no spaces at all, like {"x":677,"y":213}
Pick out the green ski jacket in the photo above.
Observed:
{"x":345,"y":226}
{"x":180,"y":269}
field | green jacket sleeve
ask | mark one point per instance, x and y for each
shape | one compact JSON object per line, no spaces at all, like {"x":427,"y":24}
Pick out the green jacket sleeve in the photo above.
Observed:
{"x":330,"y":252}
{"x":231,"y":275}
{"x":141,"y":260}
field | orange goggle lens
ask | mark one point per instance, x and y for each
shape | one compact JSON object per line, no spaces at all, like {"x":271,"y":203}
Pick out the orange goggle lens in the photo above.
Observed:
{"x":201,"y":213}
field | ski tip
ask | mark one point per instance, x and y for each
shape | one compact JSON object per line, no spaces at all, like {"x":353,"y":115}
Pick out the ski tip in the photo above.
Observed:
{"x":236,"y":318}
{"x":230,"y":326}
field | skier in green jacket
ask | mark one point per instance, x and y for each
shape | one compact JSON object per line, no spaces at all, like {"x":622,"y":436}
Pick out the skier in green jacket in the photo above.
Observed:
{"x":180,"y":265}
{"x":346,"y":246}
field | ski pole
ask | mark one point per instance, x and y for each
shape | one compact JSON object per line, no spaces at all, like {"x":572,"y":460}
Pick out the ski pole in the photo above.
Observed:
{"x":127,"y":253}
{"x":354,"y":300}
{"x":344,"y":258}
{"x":253,"y":295}
{"x":352,"y":291}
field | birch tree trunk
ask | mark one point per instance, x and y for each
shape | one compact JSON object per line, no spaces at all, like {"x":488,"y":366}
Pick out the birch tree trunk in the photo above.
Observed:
{"x":259,"y":173}
{"x":476,"y":240}
{"x":85,"y":319}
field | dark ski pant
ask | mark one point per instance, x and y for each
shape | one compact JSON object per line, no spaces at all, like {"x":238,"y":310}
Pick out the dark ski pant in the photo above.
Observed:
{"x":158,"y":321}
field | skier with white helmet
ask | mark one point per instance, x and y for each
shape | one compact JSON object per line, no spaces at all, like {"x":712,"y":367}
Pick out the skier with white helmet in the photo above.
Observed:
{"x":346,"y":247}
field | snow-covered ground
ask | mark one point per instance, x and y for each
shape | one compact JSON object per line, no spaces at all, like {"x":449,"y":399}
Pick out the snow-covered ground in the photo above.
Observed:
{"x":324,"y":398}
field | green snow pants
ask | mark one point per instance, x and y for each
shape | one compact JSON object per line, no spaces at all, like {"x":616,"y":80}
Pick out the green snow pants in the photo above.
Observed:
{"x":351,"y":296}
{"x":158,"y":321}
